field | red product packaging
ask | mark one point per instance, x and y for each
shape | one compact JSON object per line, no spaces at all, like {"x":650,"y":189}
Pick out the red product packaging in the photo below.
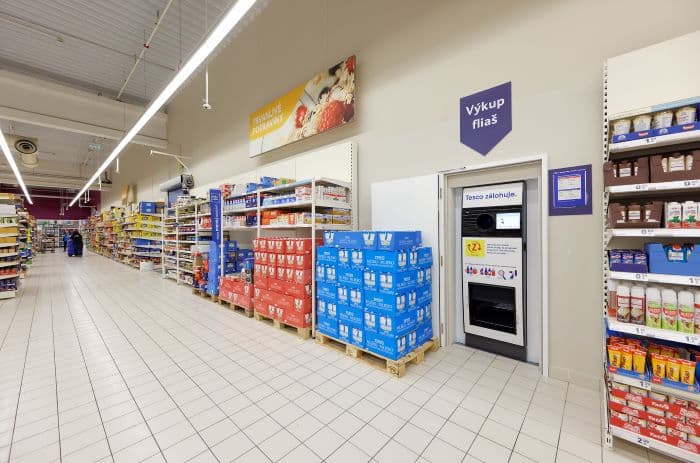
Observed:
{"x":302,"y":305}
{"x":300,"y":291}
{"x":244,"y":301}
{"x":260,"y":244}
{"x":277,"y":286}
{"x":289,"y":274}
{"x":281,"y":272}
{"x":271,"y":258}
{"x":280,"y":245}
{"x":301,"y":261}
{"x":284,"y":301}
{"x":279,"y":312}
{"x":237,"y":286}
{"x":261,"y":282}
{"x":271,"y":271}
{"x":304,"y":246}
{"x":248,"y":289}
{"x":302,"y":276}
{"x":296,"y":318}
{"x":290,"y":244}
{"x":289,"y":260}
{"x":268,"y":297}
{"x":258,"y":292}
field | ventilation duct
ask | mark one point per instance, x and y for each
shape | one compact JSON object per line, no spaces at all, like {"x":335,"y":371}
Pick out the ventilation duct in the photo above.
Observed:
{"x":184,"y":181}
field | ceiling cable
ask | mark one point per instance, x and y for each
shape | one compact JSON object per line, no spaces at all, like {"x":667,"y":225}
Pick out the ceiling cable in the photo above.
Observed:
{"x":205,"y":103}
{"x":145,"y":47}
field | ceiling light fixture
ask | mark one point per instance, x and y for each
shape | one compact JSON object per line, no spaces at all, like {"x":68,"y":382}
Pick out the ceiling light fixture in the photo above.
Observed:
{"x":227,"y":23}
{"x":13,"y":165}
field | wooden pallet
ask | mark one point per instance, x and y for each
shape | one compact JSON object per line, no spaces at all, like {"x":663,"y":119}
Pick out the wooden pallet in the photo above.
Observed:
{"x":394,"y":367}
{"x":302,"y":333}
{"x":236,"y":308}
{"x":204,"y":294}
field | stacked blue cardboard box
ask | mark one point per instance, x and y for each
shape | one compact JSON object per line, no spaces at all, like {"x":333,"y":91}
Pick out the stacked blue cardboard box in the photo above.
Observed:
{"x":235,"y":260}
{"x":374,"y":290}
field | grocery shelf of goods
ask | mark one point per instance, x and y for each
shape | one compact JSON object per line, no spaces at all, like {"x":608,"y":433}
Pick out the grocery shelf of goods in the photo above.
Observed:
{"x":169,"y":244}
{"x":652,"y":310}
{"x":9,"y":245}
{"x":188,"y":239}
{"x":374,"y":290}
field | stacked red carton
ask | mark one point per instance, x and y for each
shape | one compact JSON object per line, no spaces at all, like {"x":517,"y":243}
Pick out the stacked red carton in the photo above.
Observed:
{"x":236,"y":290}
{"x":283,"y":273}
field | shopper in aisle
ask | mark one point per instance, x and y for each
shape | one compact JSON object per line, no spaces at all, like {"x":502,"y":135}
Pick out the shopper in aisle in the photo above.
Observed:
{"x":65,"y":238}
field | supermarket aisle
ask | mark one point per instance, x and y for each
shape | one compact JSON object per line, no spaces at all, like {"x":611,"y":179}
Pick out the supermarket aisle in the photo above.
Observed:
{"x":102,"y":363}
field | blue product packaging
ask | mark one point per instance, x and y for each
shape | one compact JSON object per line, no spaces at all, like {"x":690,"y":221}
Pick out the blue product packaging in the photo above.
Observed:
{"x":357,"y":335}
{"x":350,"y":277}
{"x":343,"y":256}
{"x":357,"y":258}
{"x":390,"y":282}
{"x":327,"y":291}
{"x":395,"y":325}
{"x":411,"y":341}
{"x":326,"y":309}
{"x":327,"y":255}
{"x":387,"y":303}
{"x":424,"y":314}
{"x":357,"y":297}
{"x":424,"y":257}
{"x":424,"y":333}
{"x":350,"y":314}
{"x":391,"y":347}
{"x":327,"y":326}
{"x":386,"y":260}
{"x":331,"y":273}
{"x":395,"y":240}
{"x":342,"y":295}
{"x":424,"y":295}
{"x":320,"y":273}
{"x":411,"y":299}
{"x":420,"y":277}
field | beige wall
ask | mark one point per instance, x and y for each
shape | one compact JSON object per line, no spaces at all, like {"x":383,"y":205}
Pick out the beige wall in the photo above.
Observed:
{"x":415,"y":60}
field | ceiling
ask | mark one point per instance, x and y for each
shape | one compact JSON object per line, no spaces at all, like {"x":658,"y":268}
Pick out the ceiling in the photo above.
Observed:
{"x":93,"y":44}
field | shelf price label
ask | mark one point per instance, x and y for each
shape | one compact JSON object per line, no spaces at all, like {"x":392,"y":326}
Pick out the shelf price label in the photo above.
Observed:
{"x":694,"y":280}
{"x":648,"y":232}
{"x":645,"y":385}
{"x":643,"y":441}
{"x":650,"y":140}
{"x":641,"y":187}
{"x":691,"y":183}
{"x":641,"y":277}
{"x":640,"y":330}
{"x":691,"y":339}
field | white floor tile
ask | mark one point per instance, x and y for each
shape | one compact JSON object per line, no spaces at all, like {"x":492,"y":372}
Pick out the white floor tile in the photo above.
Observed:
{"x":211,"y":385}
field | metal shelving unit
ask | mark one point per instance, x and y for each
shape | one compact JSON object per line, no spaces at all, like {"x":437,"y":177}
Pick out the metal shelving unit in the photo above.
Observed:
{"x":626,"y":235}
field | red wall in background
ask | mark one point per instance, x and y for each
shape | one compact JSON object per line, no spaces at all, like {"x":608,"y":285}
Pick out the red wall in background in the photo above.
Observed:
{"x":49,"y":208}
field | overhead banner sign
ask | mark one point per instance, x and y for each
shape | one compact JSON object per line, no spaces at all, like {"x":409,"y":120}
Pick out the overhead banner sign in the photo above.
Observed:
{"x":322,"y":103}
{"x":485,"y":118}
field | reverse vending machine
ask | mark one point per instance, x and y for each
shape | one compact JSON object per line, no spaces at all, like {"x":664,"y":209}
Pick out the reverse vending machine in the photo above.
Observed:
{"x":494,"y":268}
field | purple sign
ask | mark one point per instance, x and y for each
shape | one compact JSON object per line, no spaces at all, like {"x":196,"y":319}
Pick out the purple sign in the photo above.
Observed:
{"x":485,"y":118}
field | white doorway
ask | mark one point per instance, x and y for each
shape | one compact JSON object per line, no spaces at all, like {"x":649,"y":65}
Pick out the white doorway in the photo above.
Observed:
{"x":533,"y":171}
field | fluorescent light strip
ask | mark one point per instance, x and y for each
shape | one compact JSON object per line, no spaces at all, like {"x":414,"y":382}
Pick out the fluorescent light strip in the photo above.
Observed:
{"x":13,"y":165}
{"x":234,"y":15}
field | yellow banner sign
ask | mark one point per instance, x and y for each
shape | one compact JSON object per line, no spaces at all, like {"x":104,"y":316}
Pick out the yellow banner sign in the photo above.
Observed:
{"x":322,"y":103}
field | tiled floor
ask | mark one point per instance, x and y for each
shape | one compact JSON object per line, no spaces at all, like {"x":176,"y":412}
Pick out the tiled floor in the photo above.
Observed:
{"x":99,"y":362}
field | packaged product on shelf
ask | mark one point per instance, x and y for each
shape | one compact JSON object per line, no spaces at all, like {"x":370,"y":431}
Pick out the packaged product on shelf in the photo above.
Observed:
{"x":612,"y":299}
{"x":690,"y":214}
{"x":623,"y":303}
{"x":653,"y":307}
{"x":685,"y":115}
{"x":674,"y":212}
{"x":621,"y":126}
{"x":686,"y":312}
{"x":662,"y":119}
{"x":637,"y":304}
{"x":642,"y":122}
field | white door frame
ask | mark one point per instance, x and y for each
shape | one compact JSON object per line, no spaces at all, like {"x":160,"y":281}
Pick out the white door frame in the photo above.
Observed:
{"x":544,"y":215}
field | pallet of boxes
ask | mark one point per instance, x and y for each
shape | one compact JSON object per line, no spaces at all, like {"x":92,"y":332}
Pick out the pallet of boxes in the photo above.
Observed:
{"x":236,"y":285}
{"x":374,"y":296}
{"x":283,"y":281}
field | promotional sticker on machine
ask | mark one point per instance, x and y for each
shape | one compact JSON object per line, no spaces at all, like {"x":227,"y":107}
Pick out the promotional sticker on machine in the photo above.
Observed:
{"x":490,"y":259}
{"x":322,"y":103}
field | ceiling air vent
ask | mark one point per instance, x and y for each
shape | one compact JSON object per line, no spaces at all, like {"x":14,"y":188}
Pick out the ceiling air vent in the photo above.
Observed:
{"x":27,"y":148}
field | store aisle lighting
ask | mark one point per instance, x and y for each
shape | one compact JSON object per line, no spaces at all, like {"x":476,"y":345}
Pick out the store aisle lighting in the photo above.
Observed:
{"x":13,"y":165}
{"x":229,"y":21}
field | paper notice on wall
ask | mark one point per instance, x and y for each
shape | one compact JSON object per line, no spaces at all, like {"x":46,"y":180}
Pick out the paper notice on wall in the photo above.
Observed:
{"x":569,"y":187}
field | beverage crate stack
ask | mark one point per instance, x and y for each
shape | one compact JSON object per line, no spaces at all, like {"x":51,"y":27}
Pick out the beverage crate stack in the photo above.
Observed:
{"x":374,"y":291}
{"x":283,"y":280}
{"x":236,"y":285}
